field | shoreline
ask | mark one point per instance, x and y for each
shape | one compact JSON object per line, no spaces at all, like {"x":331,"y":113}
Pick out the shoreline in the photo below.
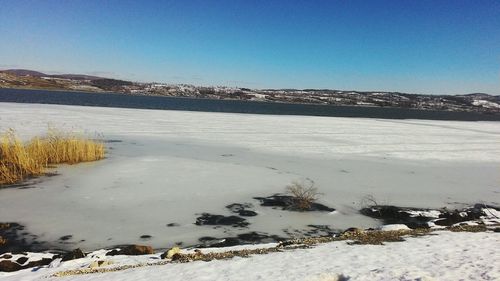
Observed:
{"x":479,"y":217}
{"x":158,"y":102}
{"x":102,"y":261}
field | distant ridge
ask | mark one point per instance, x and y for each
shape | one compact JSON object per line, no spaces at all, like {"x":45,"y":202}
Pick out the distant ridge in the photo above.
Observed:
{"x":473,"y":102}
{"x":76,"y":76}
{"x":27,"y":72}
{"x":24,"y":72}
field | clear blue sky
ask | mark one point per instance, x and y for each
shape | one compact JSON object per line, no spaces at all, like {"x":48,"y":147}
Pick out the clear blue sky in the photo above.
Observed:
{"x":412,"y":46}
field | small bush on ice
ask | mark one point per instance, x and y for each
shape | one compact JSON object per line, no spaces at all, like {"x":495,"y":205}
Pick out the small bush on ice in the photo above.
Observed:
{"x":304,"y":195}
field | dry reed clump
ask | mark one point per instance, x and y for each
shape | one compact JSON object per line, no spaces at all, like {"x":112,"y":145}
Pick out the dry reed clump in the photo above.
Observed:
{"x":20,"y":160}
{"x":3,"y":226}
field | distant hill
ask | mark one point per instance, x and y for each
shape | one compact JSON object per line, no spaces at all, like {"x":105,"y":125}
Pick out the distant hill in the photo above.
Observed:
{"x":76,"y":76}
{"x":27,"y":72}
{"x":24,"y":72}
{"x":38,"y":80}
{"x":473,"y":102}
{"x":110,"y":84}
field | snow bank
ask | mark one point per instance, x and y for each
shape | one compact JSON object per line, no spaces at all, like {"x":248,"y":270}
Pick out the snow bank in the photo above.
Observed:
{"x":444,"y":256}
{"x":393,"y":227}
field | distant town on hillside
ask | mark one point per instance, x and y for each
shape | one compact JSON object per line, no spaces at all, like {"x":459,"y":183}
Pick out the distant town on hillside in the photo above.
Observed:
{"x":29,"y":79}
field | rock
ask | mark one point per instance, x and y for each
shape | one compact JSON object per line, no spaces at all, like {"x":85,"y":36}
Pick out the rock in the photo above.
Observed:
{"x":146,"y":237}
{"x":173,"y":224}
{"x":132,"y":250}
{"x":209,"y":219}
{"x":6,"y":256}
{"x":73,"y":255}
{"x":497,"y":229}
{"x":56,"y":262}
{"x":114,"y":252}
{"x":9,"y":266}
{"x":96,"y":264}
{"x":422,"y":218}
{"x":22,"y":260}
{"x":411,"y":217}
{"x":454,"y":217}
{"x":170,"y":253}
{"x":177,"y":257}
{"x":42,"y":262}
{"x":289,"y":203}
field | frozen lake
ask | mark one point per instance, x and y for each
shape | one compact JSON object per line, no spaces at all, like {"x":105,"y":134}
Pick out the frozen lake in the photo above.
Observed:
{"x":168,"y":166}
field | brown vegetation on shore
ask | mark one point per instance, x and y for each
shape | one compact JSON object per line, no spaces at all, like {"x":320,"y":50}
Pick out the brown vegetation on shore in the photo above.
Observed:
{"x":20,"y":160}
{"x":354,"y":237}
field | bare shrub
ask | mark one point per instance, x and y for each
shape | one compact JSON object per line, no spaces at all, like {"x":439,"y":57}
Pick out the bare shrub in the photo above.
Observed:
{"x":304,"y":195}
{"x":368,"y":201}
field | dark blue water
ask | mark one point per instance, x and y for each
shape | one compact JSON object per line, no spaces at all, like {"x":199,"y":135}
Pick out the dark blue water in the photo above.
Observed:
{"x":170,"y":103}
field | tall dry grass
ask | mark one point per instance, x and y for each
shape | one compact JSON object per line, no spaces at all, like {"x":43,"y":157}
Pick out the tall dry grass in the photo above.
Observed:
{"x":20,"y":160}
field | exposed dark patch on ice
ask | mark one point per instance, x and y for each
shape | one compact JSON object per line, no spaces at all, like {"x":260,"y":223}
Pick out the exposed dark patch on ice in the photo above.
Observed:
{"x":19,"y":240}
{"x":240,"y":239}
{"x":289,"y":203}
{"x":321,"y":230}
{"x":247,"y":213}
{"x":112,"y":141}
{"x":242,"y":209}
{"x":220,"y":220}
{"x":65,"y":237}
{"x":146,"y":237}
{"x":312,"y":231}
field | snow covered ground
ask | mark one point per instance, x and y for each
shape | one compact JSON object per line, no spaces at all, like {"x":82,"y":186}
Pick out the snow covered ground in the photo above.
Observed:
{"x":445,"y":256}
{"x":168,"y":166}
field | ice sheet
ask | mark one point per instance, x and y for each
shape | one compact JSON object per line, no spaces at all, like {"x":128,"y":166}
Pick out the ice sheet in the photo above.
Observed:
{"x":168,"y":166}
